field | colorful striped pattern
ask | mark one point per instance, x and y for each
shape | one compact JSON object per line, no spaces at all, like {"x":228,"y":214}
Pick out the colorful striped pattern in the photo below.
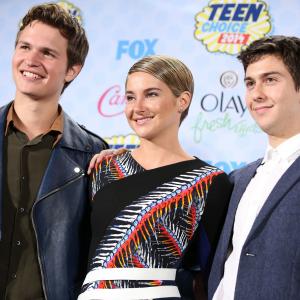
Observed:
{"x":155,"y":229}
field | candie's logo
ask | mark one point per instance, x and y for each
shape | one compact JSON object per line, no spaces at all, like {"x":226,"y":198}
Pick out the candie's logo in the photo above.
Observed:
{"x":228,"y":26}
{"x":112,"y":102}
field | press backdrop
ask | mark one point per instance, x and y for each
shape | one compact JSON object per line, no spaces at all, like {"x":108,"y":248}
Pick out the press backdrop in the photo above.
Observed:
{"x":206,"y":35}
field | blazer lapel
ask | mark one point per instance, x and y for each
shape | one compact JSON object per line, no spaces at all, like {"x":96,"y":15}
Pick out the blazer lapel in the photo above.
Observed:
{"x":55,"y":177}
{"x":241,"y":179}
{"x":3,"y":113}
{"x":285,"y":183}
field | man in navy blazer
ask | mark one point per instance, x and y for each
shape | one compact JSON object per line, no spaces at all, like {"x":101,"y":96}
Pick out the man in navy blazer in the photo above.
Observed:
{"x":258,"y":255}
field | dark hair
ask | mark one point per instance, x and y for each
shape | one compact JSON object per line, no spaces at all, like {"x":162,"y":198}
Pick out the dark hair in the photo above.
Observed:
{"x":54,"y":15}
{"x":287,"y":48}
{"x":173,"y":72}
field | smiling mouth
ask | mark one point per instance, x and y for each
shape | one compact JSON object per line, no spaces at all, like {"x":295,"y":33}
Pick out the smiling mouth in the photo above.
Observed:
{"x":142,"y":121}
{"x":261,"y":108}
{"x":30,"y":75}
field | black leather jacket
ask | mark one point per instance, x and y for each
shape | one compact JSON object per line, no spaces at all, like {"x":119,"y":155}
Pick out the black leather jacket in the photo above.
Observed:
{"x":60,"y":214}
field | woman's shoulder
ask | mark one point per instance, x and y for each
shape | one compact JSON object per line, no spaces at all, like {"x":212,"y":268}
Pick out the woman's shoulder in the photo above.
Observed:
{"x":110,"y":161}
{"x":112,"y":168}
{"x":109,"y":169}
{"x":205,"y":165}
{"x":217,"y":176}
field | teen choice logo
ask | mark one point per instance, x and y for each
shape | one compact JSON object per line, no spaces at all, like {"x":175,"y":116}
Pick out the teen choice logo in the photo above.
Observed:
{"x":129,"y":141}
{"x":72,"y":9}
{"x":228,"y":26}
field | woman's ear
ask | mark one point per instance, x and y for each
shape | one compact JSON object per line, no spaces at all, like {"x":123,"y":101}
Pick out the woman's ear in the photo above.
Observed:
{"x":184,"y":101}
{"x":72,"y":73}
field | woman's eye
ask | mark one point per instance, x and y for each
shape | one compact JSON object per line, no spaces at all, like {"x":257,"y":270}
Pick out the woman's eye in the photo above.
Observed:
{"x":129,"y":98}
{"x":152,"y":94}
{"x":24,"y":47}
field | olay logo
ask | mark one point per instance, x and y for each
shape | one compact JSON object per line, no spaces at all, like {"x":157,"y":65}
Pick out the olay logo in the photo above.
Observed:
{"x":111,"y":102}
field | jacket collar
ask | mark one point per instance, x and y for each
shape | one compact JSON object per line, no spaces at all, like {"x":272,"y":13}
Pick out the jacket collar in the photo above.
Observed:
{"x":241,"y":179}
{"x":70,"y":130}
{"x":82,"y":142}
{"x":241,"y":182}
{"x":74,"y":137}
{"x":3,"y":114}
{"x":285,"y":183}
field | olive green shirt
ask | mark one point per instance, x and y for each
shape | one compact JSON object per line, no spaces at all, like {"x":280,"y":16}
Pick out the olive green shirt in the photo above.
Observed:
{"x":25,"y":163}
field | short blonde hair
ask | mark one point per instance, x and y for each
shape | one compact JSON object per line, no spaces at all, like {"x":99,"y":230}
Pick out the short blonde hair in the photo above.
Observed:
{"x":170,"y":70}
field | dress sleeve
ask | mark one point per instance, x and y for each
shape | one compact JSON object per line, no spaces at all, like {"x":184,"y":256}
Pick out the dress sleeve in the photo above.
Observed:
{"x":198,"y":258}
{"x":215,"y":211}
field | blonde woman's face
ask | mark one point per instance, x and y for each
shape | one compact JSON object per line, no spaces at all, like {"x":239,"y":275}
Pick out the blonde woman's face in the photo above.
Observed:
{"x":152,"y":110}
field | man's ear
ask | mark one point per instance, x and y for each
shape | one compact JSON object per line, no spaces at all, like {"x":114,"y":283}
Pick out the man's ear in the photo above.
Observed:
{"x":72,"y":72}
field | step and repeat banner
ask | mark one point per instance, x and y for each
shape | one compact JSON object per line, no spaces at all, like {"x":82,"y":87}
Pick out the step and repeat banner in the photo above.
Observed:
{"x":205,"y":35}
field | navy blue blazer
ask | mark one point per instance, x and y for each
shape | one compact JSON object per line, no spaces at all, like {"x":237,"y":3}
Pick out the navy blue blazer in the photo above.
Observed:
{"x":273,"y":271}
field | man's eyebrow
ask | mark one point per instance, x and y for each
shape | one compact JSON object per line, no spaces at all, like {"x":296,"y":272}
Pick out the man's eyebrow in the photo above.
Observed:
{"x":40,"y":48}
{"x":263,"y":75}
{"x":49,"y":50}
{"x":22,"y":42}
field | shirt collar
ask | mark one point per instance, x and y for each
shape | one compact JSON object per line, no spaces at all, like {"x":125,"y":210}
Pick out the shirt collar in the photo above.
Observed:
{"x":57,"y":125}
{"x":288,"y":151}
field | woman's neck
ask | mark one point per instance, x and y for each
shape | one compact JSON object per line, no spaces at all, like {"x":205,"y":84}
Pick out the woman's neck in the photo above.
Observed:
{"x":152,"y":155}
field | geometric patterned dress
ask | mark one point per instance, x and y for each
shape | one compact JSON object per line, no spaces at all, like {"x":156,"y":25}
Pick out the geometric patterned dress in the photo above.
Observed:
{"x":153,"y":219}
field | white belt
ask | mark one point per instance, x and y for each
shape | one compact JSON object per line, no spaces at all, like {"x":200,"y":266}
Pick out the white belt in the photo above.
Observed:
{"x":130,"y":274}
{"x":130,"y":293}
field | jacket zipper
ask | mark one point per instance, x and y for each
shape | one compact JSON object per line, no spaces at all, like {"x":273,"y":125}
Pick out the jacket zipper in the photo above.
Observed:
{"x":59,"y":188}
{"x":37,"y":243}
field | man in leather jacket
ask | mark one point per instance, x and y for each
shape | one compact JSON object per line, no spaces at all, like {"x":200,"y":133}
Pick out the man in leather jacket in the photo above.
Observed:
{"x":44,"y":205}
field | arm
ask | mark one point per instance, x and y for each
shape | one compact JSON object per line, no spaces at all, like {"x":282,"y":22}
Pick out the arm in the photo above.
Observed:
{"x":193,"y":275}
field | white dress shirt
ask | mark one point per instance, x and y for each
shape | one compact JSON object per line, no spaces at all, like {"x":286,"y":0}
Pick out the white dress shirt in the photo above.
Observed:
{"x":276,"y":161}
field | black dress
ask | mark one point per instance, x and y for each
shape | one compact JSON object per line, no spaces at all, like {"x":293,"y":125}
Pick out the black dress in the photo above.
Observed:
{"x":163,"y":219}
